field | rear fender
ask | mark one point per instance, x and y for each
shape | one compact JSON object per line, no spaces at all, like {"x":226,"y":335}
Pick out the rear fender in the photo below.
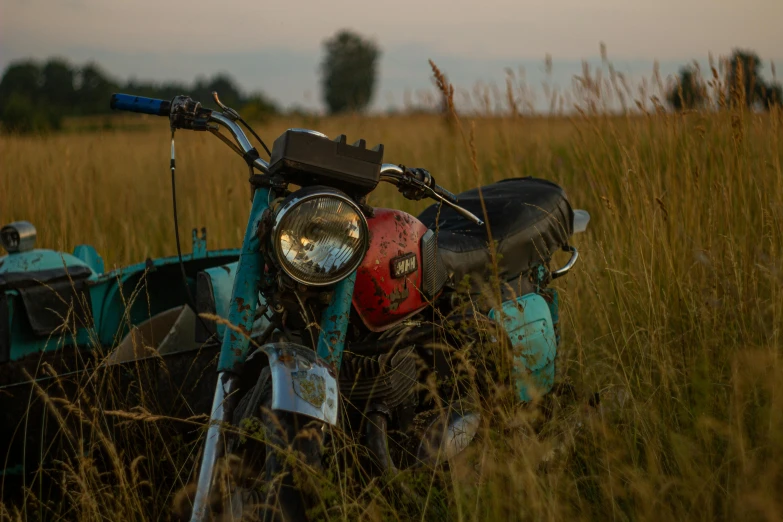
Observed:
{"x":302,"y":382}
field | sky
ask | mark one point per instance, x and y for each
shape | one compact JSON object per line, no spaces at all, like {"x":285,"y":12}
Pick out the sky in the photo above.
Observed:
{"x":276,"y":47}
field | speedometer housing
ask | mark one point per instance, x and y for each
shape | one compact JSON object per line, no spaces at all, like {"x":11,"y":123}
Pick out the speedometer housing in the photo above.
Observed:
{"x":319,"y":236}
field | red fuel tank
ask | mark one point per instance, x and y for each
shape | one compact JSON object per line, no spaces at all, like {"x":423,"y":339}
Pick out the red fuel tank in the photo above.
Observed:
{"x":389,"y":280}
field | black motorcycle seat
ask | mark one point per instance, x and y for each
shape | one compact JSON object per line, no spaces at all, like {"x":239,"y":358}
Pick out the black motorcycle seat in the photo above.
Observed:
{"x":529,"y":219}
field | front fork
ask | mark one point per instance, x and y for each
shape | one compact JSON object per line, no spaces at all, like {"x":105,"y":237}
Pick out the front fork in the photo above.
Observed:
{"x":236,"y":342}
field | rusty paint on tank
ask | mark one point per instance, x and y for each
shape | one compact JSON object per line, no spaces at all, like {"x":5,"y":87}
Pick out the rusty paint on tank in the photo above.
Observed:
{"x":380,"y":299}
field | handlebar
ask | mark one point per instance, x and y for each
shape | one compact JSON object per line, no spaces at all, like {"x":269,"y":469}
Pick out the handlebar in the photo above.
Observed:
{"x":185,"y":113}
{"x":127,"y":102}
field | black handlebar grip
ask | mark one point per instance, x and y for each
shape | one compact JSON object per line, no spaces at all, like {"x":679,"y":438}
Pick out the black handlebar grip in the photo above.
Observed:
{"x":445,"y":194}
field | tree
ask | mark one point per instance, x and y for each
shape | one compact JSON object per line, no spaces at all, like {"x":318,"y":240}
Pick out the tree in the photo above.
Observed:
{"x":20,"y":77}
{"x":94,"y":90}
{"x":23,"y":107}
{"x":57,"y":83}
{"x":745,"y":82}
{"x":689,"y":92}
{"x":348,"y":72}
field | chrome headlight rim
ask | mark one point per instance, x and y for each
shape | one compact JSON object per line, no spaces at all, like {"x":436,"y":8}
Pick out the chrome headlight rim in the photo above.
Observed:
{"x":301,"y":196}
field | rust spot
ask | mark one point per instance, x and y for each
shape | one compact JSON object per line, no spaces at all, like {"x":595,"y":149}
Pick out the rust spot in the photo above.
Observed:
{"x":241,"y":305}
{"x":397,"y":297}
{"x":379,"y":292}
{"x":285,"y":358}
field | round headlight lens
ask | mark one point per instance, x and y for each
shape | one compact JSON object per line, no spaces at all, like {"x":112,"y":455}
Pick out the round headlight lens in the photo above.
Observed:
{"x":319,"y":236}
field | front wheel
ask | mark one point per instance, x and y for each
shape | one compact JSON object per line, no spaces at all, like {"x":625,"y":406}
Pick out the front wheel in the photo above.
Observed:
{"x":275,"y":457}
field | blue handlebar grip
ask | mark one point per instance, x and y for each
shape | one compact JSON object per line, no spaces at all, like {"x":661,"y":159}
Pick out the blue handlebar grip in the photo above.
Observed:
{"x":128,"y":102}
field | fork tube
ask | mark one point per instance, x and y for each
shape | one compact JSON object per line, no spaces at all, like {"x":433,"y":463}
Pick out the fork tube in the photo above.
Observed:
{"x":221,"y":413}
{"x":244,"y":296}
{"x":334,"y":323}
{"x":234,"y":350}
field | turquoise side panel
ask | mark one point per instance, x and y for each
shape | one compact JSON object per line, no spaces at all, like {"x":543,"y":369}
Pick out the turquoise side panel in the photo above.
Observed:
{"x":38,"y":260}
{"x":222,"y":283}
{"x":528,"y":322}
{"x":90,"y":257}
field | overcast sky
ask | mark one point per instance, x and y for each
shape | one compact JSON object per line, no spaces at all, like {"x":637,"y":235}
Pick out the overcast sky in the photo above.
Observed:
{"x":275,"y":46}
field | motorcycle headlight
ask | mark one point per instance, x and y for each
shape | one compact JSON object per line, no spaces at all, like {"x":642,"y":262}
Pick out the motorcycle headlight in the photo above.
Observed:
{"x":319,"y":236}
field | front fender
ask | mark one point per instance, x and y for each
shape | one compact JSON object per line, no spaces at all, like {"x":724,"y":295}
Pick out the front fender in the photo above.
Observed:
{"x":302,"y":382}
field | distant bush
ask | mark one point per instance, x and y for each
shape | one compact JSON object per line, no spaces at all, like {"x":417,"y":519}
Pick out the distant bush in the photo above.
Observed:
{"x":20,"y":114}
{"x":258,"y":108}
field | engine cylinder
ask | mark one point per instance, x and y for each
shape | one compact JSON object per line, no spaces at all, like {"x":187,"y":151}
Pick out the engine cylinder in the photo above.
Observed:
{"x":387,"y":378}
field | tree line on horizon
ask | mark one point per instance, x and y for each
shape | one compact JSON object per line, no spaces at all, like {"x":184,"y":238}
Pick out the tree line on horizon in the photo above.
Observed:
{"x":37,"y":96}
{"x":744,"y":84}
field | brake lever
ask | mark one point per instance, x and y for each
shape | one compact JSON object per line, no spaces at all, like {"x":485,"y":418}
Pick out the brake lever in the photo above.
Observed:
{"x":395,"y":174}
{"x":463,"y":211}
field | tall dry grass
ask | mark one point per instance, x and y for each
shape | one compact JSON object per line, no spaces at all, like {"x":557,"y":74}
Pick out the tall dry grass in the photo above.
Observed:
{"x":673,"y":312}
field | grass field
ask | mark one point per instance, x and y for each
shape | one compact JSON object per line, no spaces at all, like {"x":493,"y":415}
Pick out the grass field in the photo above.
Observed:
{"x":674,"y":310}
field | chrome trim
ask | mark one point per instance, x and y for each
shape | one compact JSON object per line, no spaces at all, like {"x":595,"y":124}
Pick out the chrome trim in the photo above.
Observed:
{"x":226,"y":386}
{"x":300,"y":197}
{"x":568,"y":266}
{"x":581,"y":219}
{"x":239,"y":136}
{"x":309,"y":131}
{"x":388,"y":168}
{"x":18,"y":236}
{"x":302,"y":382}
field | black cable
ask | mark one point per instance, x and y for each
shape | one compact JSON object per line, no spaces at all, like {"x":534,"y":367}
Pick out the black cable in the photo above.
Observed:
{"x":191,"y":301}
{"x":248,"y":127}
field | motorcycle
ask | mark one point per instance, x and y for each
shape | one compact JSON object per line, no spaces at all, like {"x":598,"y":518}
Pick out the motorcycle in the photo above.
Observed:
{"x":341,"y":315}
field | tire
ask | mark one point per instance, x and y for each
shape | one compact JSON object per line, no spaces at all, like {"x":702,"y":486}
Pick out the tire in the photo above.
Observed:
{"x":269,"y":487}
